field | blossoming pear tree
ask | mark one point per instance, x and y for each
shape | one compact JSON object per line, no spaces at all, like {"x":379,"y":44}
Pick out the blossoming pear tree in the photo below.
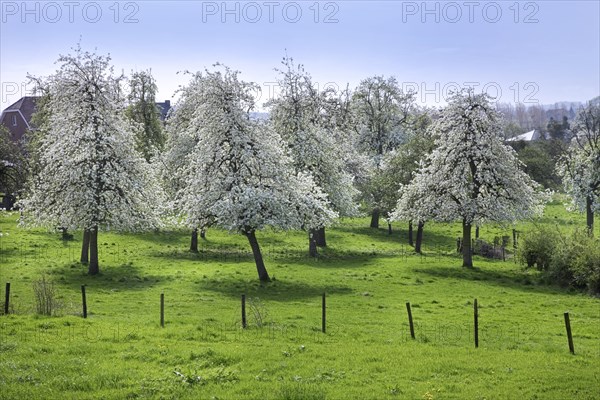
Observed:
{"x":90,"y":177}
{"x":150,"y":136}
{"x":381,"y":111}
{"x":580,"y":166}
{"x":238,"y":173}
{"x":298,"y":115}
{"x":408,"y":207}
{"x":398,"y":167}
{"x":471,"y":175}
{"x":182,"y":138}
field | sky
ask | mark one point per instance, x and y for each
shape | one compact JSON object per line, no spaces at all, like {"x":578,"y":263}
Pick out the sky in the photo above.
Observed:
{"x":533,"y":52}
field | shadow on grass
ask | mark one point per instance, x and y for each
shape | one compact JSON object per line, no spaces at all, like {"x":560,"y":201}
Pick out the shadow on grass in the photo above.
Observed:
{"x":330,"y":257}
{"x":170,"y":245}
{"x":514,"y":279}
{"x":124,"y":277}
{"x":162,"y":238}
{"x":399,"y":235}
{"x":214,"y":237}
{"x":43,"y":248}
{"x":277,"y":290}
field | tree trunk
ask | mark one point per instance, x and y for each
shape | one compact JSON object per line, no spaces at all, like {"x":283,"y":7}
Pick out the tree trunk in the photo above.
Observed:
{"x":466,"y":242}
{"x":375,"y":218}
{"x":419,"y":237}
{"x":203,"y":233}
{"x":312,"y":243}
{"x":410,"y":234}
{"x":320,"y":238}
{"x":477,"y":232}
{"x":589,"y":216}
{"x":94,"y":267}
{"x":85,"y":247}
{"x":65,"y":234}
{"x":260,"y":265}
{"x":389,"y":228}
{"x":194,"y":242}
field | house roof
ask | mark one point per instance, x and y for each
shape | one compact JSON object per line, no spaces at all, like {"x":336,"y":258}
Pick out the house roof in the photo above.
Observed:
{"x":164,"y":108}
{"x":26,"y":106}
{"x":526,"y":137}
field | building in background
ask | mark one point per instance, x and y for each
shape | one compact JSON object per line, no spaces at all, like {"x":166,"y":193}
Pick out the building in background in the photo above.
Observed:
{"x":530,"y":136}
{"x":163,"y":109}
{"x":17,"y":117}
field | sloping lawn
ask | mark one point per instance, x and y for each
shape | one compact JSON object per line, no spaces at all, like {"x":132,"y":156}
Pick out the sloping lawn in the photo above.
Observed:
{"x":121,"y":351}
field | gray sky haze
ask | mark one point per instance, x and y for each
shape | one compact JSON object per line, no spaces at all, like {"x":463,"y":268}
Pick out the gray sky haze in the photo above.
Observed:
{"x":518,"y":51}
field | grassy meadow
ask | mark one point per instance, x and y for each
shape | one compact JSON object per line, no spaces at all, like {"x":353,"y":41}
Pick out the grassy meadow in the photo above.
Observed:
{"x":121,"y":352}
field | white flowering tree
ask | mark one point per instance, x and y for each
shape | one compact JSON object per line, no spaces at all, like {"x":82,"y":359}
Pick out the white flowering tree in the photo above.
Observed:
{"x":238,"y":174}
{"x":408,"y":208}
{"x":398,"y":167}
{"x":182,"y":138}
{"x":150,"y":136}
{"x":381,"y":110}
{"x":580,"y":166}
{"x":471,"y":175}
{"x":90,"y":176}
{"x":400,"y":199}
{"x":299,"y":115}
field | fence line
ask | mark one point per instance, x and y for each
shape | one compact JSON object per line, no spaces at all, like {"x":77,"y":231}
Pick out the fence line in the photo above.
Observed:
{"x":324,"y":330}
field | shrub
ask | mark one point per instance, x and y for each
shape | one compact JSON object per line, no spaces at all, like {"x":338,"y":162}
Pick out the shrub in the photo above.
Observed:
{"x":568,"y":261}
{"x":258,"y":311}
{"x":537,"y":247}
{"x":46,"y":301}
{"x":559,"y":270}
{"x":488,"y":250}
{"x":586,"y":265}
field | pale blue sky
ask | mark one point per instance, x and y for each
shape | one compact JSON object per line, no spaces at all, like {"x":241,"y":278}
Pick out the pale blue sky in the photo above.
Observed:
{"x":542,"y":51}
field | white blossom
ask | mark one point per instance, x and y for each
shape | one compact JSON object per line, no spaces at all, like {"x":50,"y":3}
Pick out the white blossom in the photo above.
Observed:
{"x":580,"y":166}
{"x":91,"y":175}
{"x":471,"y":175}
{"x":237,"y":174}
{"x":300,"y":116}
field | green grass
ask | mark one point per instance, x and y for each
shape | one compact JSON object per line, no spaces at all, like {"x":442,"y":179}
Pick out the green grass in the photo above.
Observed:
{"x":120,"y":351}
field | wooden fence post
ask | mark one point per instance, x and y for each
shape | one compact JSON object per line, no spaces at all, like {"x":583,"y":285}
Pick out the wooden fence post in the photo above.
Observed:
{"x":569,"y":335}
{"x":323,"y":315}
{"x":162,"y":310}
{"x":476,"y":323}
{"x":410,"y":321}
{"x":83,"y":301}
{"x":244,"y":311}
{"x":6,"y":298}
